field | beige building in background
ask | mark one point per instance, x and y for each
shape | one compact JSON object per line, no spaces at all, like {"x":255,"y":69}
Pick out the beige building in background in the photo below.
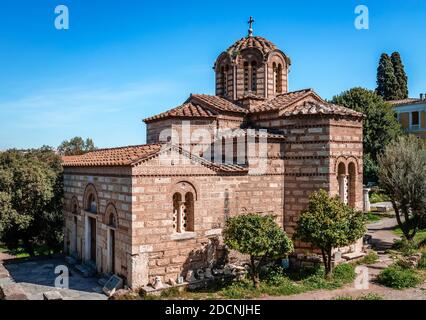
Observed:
{"x":137,"y":212}
{"x":411,"y":114}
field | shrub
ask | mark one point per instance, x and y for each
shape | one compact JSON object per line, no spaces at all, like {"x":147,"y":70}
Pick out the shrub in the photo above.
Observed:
{"x":370,"y":296}
{"x":406,"y":247}
{"x":399,"y":278}
{"x":342,"y":274}
{"x":378,"y":197}
{"x":258,"y":236}
{"x":329,"y":223}
{"x":422,"y":262}
{"x":370,"y":258}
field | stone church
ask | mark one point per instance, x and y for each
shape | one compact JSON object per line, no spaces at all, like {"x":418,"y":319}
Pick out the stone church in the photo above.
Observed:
{"x":157,"y":210}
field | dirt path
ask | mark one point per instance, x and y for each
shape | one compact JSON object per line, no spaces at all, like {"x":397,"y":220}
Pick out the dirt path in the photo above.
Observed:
{"x":382,"y":238}
{"x":5,"y":256}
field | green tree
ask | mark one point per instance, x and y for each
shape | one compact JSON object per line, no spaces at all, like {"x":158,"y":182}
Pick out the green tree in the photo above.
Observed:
{"x":76,"y":146}
{"x":31,"y":199}
{"x":387,"y":84}
{"x":258,"y":236}
{"x":400,"y":75}
{"x":328,"y":223}
{"x":402,"y":176}
{"x":380,"y":124}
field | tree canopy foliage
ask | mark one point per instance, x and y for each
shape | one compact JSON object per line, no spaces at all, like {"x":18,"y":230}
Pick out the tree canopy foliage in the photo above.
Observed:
{"x":392,"y":81}
{"x":402,"y":175}
{"x":328,"y":223}
{"x":258,"y":236}
{"x":76,"y":146}
{"x":31,"y":195}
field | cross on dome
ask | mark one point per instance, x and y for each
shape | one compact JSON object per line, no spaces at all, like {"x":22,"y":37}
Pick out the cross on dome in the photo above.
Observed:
{"x":250,"y":22}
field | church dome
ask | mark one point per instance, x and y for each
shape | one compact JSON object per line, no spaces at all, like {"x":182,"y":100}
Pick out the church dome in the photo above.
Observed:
{"x":265,"y":46}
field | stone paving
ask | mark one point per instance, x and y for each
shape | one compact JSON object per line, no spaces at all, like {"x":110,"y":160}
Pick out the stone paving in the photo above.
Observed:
{"x":36,"y":277}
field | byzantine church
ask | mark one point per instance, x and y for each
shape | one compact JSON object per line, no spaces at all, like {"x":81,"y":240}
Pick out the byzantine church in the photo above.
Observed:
{"x":138,"y":213}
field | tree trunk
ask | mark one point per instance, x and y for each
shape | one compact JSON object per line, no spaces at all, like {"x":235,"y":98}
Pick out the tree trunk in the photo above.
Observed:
{"x":254,"y":273}
{"x":404,"y":227}
{"x":329,"y":269}
{"x":29,"y":247}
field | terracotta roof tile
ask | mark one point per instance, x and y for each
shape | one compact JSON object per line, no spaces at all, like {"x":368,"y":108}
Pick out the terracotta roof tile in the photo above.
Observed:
{"x":218,"y":103}
{"x":187,"y":110}
{"x":123,"y":156}
{"x":282,"y":100}
{"x":133,"y":155}
{"x":403,"y":102}
{"x":264,"y":45}
{"x":315,"y":108}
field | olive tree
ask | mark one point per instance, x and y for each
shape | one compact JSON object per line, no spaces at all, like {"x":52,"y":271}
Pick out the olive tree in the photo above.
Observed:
{"x":328,"y":223}
{"x":258,"y":236}
{"x":402,"y":175}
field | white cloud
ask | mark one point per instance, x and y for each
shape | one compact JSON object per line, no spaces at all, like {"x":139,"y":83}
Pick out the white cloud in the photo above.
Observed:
{"x":64,"y":106}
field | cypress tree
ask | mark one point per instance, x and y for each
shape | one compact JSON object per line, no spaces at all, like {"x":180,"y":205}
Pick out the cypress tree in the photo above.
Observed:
{"x":400,"y":75}
{"x":387,"y":85}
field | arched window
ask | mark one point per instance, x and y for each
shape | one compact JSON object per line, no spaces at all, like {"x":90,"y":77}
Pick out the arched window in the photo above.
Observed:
{"x":189,"y":212}
{"x":74,"y":206}
{"x":112,"y":221}
{"x":224,"y":74}
{"x":254,"y":76}
{"x":246,"y":77}
{"x":278,"y":80}
{"x":342,"y":179}
{"x":183,"y":212}
{"x":177,"y":200}
{"x":92,"y":206}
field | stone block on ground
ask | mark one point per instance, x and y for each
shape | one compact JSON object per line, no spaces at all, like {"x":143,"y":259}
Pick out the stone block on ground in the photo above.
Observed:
{"x":353,"y":255}
{"x":12,"y":292}
{"x":52,"y":295}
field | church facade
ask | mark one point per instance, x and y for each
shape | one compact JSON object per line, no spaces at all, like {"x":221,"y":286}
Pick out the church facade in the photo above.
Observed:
{"x":158,"y":210}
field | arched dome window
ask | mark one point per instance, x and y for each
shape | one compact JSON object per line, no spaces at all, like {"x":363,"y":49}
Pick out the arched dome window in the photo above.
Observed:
{"x":246,"y":77}
{"x":224,"y":79}
{"x":254,"y":76}
{"x":279,"y":77}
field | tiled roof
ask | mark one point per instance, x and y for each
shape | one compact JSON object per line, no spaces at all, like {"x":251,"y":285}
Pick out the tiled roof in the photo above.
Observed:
{"x":187,"y":110}
{"x":218,"y":103}
{"x":264,"y":45}
{"x":123,"y":156}
{"x":315,"y":108}
{"x":282,"y":100}
{"x":133,"y":155}
{"x":403,"y":102}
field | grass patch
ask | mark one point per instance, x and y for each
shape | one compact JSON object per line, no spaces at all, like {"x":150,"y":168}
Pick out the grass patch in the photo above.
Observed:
{"x":398,"y":277}
{"x":422,"y":262}
{"x":377,"y":197}
{"x":274,"y":282}
{"x":371,"y":258}
{"x":22,"y":253}
{"x":418,"y":238}
{"x":369,"y":296}
{"x":373,"y":217}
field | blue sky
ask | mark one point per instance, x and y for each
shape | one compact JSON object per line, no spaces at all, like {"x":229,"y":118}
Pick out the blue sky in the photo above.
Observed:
{"x":122,"y":61}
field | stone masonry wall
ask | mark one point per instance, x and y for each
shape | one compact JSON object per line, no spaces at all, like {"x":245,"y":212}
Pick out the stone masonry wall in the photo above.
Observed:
{"x":169,"y":254}
{"x":113,"y":187}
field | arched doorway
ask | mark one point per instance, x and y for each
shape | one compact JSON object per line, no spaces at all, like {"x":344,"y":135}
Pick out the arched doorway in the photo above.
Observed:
{"x":91,"y":211}
{"x":111,"y":215}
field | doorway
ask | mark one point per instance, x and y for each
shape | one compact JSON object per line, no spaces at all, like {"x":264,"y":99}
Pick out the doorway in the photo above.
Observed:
{"x":92,"y":239}
{"x":111,"y":256}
